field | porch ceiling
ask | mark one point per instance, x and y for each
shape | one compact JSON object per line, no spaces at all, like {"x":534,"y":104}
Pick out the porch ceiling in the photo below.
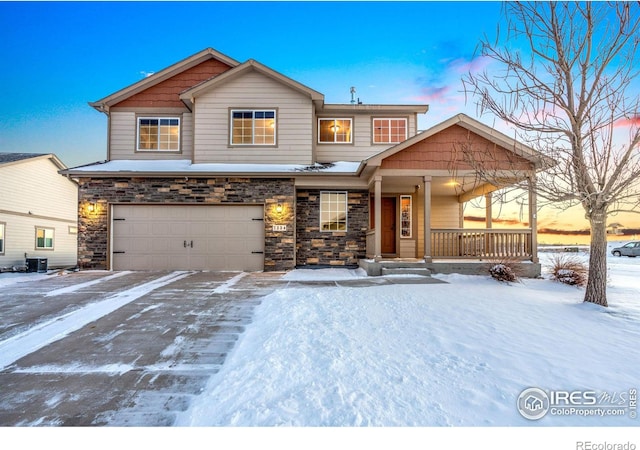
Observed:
{"x":465,"y":188}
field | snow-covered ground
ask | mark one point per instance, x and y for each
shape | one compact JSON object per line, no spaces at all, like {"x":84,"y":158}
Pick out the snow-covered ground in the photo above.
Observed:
{"x":427,"y":355}
{"x":412,"y":355}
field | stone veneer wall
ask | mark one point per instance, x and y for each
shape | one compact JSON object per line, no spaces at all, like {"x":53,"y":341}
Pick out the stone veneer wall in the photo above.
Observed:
{"x":315,"y":247}
{"x":93,"y":227}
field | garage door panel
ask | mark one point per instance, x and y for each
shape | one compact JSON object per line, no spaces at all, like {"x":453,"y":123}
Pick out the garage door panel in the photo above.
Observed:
{"x":152,"y":237}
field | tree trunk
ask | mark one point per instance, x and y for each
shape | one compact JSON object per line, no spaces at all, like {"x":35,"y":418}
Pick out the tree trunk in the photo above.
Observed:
{"x":596,"y":291}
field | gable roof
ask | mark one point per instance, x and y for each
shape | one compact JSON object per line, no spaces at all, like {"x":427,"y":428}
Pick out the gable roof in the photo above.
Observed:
{"x":7,"y":159}
{"x":188,"y":95}
{"x":539,"y":160}
{"x":103,"y":105}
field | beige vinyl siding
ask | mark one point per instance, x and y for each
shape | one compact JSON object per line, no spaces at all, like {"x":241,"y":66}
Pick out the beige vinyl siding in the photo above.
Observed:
{"x":445,"y":213}
{"x":253,"y":91}
{"x":33,"y":194}
{"x":362,"y":146}
{"x":123,"y":135}
{"x":20,"y":234}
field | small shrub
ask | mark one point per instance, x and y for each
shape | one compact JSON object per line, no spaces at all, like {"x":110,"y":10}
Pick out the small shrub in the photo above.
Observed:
{"x":503,"y":272}
{"x":569,"y":270}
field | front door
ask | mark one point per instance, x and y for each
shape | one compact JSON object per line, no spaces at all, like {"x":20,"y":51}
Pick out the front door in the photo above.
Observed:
{"x":388,"y":225}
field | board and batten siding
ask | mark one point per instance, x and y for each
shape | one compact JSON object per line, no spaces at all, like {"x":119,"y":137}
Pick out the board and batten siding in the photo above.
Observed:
{"x":33,"y":194}
{"x":123,"y":135}
{"x":362,"y":146}
{"x":253,"y":91}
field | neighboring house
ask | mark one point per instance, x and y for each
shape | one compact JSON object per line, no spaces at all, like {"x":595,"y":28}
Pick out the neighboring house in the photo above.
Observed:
{"x":220,"y":165}
{"x":38,"y":211}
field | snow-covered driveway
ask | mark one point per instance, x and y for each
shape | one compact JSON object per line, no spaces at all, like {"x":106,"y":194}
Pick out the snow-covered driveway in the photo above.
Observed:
{"x":128,"y":348}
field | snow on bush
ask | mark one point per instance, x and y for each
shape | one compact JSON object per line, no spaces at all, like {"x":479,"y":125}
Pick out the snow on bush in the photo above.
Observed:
{"x":503,"y":272}
{"x":569,"y":270}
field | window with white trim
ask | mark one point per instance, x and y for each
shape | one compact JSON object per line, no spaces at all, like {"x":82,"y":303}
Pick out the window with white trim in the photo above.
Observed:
{"x":334,"y":131}
{"x":2,"y":225}
{"x":44,"y":238}
{"x":333,"y":211}
{"x":389,"y":131}
{"x":158,"y":134}
{"x":251,"y":127}
{"x":405,"y":216}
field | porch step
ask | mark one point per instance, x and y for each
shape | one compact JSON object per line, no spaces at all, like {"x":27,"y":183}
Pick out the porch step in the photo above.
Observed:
{"x":406,"y":271}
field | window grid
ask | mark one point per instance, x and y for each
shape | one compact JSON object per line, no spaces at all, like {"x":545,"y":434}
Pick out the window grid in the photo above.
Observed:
{"x":334,"y":131}
{"x":253,"y":127}
{"x":44,"y":238}
{"x":159,"y":134}
{"x":333,"y":211}
{"x":389,"y":131}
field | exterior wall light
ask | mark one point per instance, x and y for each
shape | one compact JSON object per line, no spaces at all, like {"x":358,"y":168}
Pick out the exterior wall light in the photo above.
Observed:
{"x":279,"y":208}
{"x":91,"y":207}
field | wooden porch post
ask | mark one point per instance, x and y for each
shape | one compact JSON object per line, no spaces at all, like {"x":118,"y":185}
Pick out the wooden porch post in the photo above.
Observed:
{"x":488,"y":200}
{"x":377,"y":251}
{"x":488,"y":238}
{"x":533,"y":217}
{"x":427,"y":219}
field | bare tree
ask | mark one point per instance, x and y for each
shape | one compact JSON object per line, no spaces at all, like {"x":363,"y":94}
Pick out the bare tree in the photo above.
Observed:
{"x":569,"y":92}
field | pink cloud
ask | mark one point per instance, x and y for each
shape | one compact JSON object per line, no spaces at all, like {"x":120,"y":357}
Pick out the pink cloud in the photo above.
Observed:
{"x":628,"y":122}
{"x":432,"y":94}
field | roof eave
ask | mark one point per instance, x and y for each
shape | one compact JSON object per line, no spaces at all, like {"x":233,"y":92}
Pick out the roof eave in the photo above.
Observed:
{"x":380,"y":108}
{"x":126,"y":174}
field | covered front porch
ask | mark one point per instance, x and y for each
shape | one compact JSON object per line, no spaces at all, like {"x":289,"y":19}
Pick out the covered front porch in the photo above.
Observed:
{"x":418,"y":221}
{"x":418,"y":190}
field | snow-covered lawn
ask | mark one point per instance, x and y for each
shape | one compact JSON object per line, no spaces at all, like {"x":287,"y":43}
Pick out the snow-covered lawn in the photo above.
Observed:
{"x":427,"y":355}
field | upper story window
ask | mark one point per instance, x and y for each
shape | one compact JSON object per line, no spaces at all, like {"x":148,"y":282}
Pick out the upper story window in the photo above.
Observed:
{"x":251,"y":127}
{"x":389,"y":131}
{"x":158,"y":134}
{"x":44,"y":238}
{"x":334,"y":131}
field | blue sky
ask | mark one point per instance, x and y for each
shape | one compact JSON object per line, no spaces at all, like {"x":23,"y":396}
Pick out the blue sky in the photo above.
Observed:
{"x":57,"y":56}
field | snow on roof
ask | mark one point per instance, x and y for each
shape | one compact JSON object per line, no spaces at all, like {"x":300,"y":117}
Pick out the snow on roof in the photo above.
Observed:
{"x":185,"y":166}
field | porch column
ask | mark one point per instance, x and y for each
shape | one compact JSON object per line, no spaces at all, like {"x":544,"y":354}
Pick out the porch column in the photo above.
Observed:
{"x":488,"y":204}
{"x":533,"y":217}
{"x":377,"y":221}
{"x":427,"y":219}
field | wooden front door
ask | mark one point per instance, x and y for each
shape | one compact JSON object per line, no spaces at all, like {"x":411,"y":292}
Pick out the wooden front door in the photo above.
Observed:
{"x":388,"y":225}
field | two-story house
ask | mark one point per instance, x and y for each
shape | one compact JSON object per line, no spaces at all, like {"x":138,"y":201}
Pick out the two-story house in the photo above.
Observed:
{"x":219,"y":165}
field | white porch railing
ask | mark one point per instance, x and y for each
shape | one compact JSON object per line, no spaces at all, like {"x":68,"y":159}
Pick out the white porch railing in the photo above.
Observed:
{"x":481,"y":243}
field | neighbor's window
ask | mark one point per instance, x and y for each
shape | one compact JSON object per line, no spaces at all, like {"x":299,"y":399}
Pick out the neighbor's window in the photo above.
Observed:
{"x":333,"y":211}
{"x":2,"y":238}
{"x":253,"y":127}
{"x":44,"y":238}
{"x":405,"y":216}
{"x":334,"y":131}
{"x":158,"y":133}
{"x":389,"y":131}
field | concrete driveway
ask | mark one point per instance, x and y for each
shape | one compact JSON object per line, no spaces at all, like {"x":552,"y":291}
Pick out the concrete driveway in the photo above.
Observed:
{"x":118,"y":349}
{"x":125,"y":348}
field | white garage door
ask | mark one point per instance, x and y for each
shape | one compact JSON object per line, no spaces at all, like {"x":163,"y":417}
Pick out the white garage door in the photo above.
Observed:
{"x":171,"y":237}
